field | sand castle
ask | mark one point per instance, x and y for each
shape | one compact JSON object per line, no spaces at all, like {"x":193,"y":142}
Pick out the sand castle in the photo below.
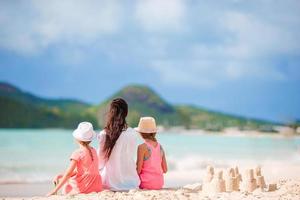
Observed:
{"x":238,"y":175}
{"x":260,"y":179}
{"x":271,"y":187}
{"x":209,"y":174}
{"x":208,"y":178}
{"x":250,"y":182}
{"x":231,"y":181}
{"x":214,"y":182}
{"x":218,"y":183}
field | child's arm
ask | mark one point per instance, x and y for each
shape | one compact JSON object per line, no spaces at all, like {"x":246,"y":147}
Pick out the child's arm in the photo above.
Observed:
{"x":66,"y":176}
{"x":59,"y":176}
{"x":140,"y":158}
{"x":164,"y":165}
{"x":56,"y":178}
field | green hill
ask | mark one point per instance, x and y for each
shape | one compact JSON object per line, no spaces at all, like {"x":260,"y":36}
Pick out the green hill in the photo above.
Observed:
{"x":19,"y":109}
{"x":216,"y":121}
{"x":23,"y":110}
{"x":70,"y":106}
{"x":143,"y":101}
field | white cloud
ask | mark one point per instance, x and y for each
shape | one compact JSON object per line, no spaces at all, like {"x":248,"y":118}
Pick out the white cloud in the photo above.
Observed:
{"x":210,"y":73}
{"x":255,"y":37}
{"x":160,"y":15}
{"x":191,"y":73}
{"x":222,"y":41}
{"x":247,"y":46}
{"x":239,"y":71}
{"x":31,"y":26}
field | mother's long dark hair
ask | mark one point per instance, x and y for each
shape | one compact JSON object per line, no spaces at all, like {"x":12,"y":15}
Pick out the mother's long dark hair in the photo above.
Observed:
{"x":115,"y":124}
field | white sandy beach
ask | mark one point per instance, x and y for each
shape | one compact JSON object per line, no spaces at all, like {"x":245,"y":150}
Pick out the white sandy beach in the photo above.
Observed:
{"x":287,"y":189}
{"x":287,"y":180}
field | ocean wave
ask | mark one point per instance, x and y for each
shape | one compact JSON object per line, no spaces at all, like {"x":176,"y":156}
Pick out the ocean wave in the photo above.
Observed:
{"x":181,"y":170}
{"x":18,"y":178}
{"x":192,"y":162}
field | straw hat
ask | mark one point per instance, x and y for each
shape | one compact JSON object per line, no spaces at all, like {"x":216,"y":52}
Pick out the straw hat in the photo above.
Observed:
{"x":146,"y":125}
{"x":84,"y":132}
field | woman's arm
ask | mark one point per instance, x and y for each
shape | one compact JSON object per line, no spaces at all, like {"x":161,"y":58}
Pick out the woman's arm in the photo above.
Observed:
{"x":164,"y":165}
{"x":101,"y":158}
{"x":101,"y":155}
{"x":69,"y":172}
{"x":140,"y":158}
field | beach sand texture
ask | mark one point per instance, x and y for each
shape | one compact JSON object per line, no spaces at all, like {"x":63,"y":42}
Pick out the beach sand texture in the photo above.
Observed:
{"x":287,"y":189}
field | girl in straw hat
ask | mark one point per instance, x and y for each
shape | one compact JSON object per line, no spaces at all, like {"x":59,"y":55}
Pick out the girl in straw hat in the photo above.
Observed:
{"x":151,"y":159}
{"x":82,"y":175}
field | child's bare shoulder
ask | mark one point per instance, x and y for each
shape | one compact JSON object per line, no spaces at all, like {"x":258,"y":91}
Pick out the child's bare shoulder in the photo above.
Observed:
{"x":142,"y":147}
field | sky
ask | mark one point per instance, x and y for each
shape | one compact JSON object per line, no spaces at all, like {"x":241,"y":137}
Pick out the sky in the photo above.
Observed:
{"x":235,"y":56}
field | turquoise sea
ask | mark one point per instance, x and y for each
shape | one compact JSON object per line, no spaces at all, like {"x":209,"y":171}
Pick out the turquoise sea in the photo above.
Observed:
{"x":36,"y":155}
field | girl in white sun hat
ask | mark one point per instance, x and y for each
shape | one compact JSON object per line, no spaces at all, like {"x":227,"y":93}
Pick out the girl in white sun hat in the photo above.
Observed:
{"x":82,"y":175}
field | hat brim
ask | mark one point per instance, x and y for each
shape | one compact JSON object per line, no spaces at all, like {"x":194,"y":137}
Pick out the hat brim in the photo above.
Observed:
{"x":137,"y":129}
{"x":76,"y":134}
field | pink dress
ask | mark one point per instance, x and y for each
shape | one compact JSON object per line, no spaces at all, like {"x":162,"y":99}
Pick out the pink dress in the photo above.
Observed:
{"x":86,"y":178}
{"x":152,"y":174}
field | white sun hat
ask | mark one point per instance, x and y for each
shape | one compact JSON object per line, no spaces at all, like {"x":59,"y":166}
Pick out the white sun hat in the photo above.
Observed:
{"x":84,"y":132}
{"x":146,"y":125}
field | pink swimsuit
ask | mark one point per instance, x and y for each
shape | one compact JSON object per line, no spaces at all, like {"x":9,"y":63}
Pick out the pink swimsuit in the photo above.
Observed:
{"x":152,"y":174}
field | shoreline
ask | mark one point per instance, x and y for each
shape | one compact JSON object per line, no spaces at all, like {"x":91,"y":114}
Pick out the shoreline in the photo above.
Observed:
{"x":231,"y":131}
{"x":235,"y":133}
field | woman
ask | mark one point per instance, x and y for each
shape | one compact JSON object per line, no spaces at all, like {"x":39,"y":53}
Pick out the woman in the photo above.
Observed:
{"x":117,"y":150}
